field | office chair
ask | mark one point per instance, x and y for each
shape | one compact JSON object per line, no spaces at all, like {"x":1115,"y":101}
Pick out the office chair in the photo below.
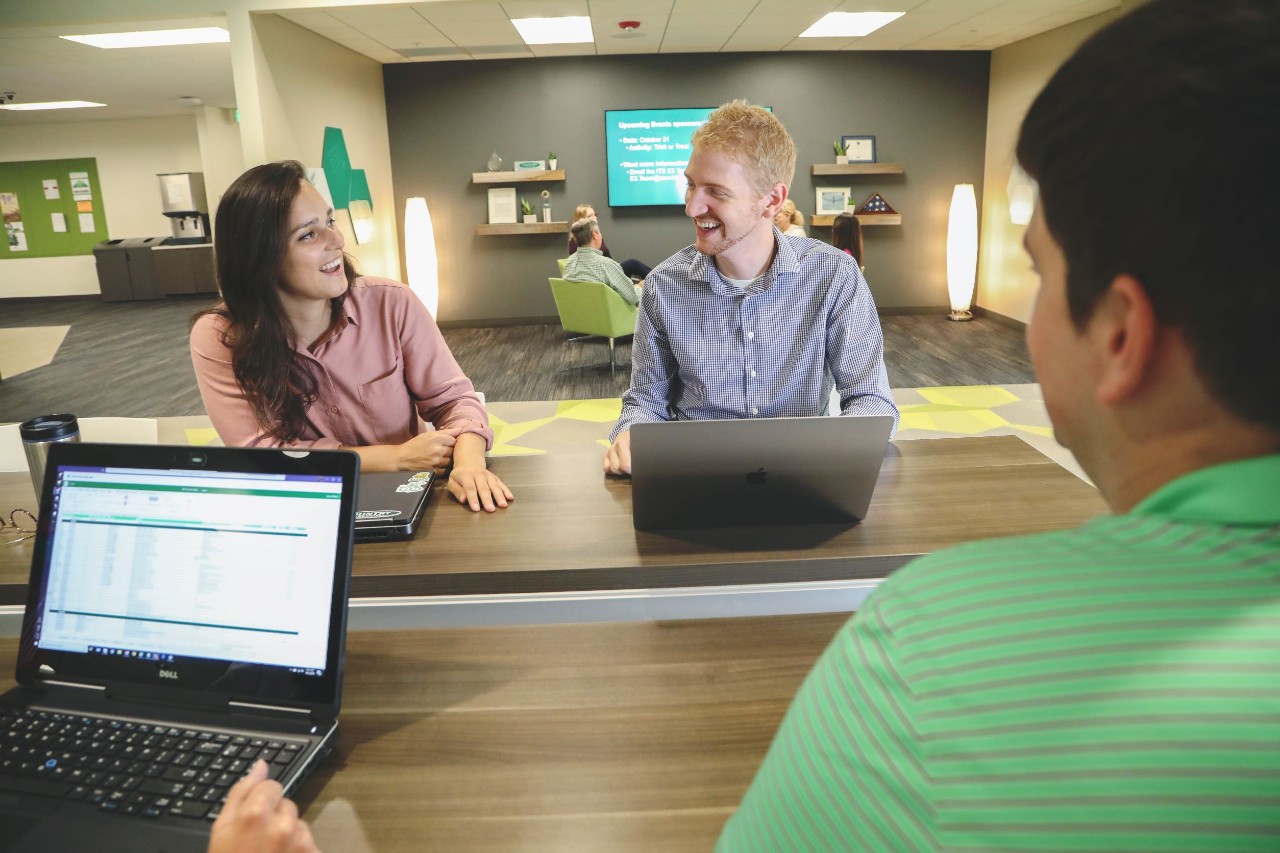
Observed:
{"x":593,"y":309}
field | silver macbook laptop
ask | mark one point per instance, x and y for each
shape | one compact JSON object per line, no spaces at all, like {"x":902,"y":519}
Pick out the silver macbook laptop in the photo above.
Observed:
{"x":186,"y":616}
{"x":734,"y":473}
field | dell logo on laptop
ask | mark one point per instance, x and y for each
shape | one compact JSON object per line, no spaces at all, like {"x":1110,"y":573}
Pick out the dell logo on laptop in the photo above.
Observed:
{"x":169,"y":673}
{"x":757,"y":477}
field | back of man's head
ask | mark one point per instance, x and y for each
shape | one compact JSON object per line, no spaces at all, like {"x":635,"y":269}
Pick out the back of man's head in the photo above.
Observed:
{"x":754,"y":137}
{"x":1157,"y":152}
{"x":583,"y":230}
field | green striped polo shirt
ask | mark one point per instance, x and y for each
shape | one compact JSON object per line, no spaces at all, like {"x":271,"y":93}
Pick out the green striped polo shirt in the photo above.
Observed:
{"x":1114,"y":687}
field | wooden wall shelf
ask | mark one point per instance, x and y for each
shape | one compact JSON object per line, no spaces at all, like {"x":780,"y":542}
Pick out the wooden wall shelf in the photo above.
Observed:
{"x":507,"y":229}
{"x":831,"y":169}
{"x":825,"y":220}
{"x":521,"y":177}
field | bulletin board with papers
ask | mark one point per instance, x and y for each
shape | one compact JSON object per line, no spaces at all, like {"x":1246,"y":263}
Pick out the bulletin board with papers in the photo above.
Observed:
{"x":51,"y":208}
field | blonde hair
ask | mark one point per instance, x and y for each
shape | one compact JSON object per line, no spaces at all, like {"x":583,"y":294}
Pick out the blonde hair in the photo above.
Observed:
{"x":794,"y":216}
{"x":754,"y":137}
{"x":580,"y":212}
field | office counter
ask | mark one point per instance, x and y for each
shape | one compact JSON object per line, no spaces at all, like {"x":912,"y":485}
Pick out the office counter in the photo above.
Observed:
{"x":619,"y":737}
{"x":570,"y":529}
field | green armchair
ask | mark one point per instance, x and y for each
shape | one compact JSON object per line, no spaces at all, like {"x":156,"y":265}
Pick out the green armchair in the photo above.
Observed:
{"x":595,"y":309}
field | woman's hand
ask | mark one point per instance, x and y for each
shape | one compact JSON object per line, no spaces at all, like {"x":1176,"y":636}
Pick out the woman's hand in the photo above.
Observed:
{"x":428,"y":451}
{"x":471,"y":483}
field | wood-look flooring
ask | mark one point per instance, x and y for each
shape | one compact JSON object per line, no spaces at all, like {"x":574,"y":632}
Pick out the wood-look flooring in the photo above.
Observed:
{"x":130,"y":359}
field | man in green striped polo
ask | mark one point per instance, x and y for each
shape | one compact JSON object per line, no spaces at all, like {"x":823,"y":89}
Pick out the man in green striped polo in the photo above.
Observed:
{"x":1116,"y":687}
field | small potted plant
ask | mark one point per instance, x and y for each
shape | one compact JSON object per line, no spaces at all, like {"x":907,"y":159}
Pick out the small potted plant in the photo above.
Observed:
{"x":551,"y":160}
{"x":841,"y":155}
{"x":526,"y":209}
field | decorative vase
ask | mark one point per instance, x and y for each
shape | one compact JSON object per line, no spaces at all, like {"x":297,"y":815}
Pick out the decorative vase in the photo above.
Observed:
{"x":551,"y":164}
{"x":495,"y":162}
{"x":530,"y":218}
{"x":546,"y":213}
{"x":842,"y":159}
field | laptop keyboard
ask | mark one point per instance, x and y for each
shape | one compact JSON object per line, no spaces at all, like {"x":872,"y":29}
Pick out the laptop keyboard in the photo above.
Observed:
{"x":131,"y":767}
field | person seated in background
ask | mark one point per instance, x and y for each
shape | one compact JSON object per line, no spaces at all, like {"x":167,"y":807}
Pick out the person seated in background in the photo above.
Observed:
{"x":304,"y":352}
{"x":744,"y":324}
{"x":846,"y":235}
{"x":789,"y":220}
{"x":589,"y":264}
{"x":636,"y":270}
{"x":1112,"y":687}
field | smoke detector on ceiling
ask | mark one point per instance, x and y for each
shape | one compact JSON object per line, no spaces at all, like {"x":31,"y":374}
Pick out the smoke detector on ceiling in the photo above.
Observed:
{"x":189,"y":100}
{"x":630,"y":30}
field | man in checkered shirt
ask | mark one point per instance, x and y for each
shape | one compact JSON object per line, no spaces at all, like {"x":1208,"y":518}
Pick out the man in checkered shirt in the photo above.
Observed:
{"x":747,"y":323}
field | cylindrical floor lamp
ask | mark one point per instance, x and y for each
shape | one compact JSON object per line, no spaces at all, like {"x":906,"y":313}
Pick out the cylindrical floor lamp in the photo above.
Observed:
{"x":420,"y":253}
{"x":962,"y":251}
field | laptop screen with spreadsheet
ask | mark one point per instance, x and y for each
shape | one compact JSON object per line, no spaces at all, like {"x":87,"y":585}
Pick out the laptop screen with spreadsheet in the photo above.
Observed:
{"x":222,"y":578}
{"x":203,"y":564}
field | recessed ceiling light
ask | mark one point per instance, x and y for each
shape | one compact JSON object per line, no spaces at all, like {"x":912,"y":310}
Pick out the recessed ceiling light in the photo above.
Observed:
{"x":154,"y":38}
{"x":51,"y":105}
{"x":849,"y":24}
{"x":571,"y":29}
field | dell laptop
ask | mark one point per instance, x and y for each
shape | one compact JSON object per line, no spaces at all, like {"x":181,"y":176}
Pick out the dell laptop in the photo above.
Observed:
{"x":391,"y":504}
{"x":735,"y":473}
{"x":186,"y":616}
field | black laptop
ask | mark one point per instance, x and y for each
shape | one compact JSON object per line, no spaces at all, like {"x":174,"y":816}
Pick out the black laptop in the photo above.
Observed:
{"x":186,"y":616}
{"x":391,"y":504}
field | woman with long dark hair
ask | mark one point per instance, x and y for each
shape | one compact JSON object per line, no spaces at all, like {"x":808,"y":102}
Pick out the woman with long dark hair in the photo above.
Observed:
{"x":846,"y":234}
{"x":305,"y":352}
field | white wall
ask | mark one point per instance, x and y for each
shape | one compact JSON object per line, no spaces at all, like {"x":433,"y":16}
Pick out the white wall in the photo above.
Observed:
{"x":303,"y":83}
{"x":130,"y":154}
{"x":1019,"y":71}
{"x":220,"y":153}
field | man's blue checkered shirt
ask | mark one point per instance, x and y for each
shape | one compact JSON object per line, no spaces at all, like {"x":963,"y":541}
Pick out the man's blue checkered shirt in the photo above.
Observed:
{"x":706,"y":349}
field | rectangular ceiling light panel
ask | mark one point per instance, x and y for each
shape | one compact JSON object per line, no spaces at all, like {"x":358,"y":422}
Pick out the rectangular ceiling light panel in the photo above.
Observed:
{"x":154,"y":38}
{"x":849,"y":24}
{"x":572,"y":29}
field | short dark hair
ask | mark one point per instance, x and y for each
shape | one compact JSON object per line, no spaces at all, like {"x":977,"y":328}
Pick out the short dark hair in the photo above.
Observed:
{"x":1156,"y":147}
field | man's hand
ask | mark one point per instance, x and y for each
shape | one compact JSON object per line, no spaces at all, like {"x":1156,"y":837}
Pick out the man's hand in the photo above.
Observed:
{"x":427,"y":451}
{"x":257,"y":817}
{"x":617,"y":459}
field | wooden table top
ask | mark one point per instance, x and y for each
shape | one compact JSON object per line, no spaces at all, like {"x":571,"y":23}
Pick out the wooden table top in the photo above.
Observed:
{"x":620,"y":736}
{"x":570,"y":528}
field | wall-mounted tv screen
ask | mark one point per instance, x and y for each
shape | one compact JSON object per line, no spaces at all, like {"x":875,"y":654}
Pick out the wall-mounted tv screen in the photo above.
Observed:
{"x":646,"y":152}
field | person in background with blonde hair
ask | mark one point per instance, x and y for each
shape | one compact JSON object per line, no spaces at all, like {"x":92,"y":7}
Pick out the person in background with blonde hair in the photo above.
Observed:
{"x":789,"y":220}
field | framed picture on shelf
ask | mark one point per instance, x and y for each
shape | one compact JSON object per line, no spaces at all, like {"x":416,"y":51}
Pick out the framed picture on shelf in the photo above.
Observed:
{"x":831,"y":200}
{"x":502,"y":205}
{"x":859,"y":149}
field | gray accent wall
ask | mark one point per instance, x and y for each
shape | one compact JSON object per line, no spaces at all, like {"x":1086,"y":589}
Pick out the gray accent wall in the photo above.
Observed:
{"x":927,"y":110}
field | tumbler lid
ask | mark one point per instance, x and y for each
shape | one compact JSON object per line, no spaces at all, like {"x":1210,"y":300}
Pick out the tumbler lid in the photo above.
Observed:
{"x":49,"y":428}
